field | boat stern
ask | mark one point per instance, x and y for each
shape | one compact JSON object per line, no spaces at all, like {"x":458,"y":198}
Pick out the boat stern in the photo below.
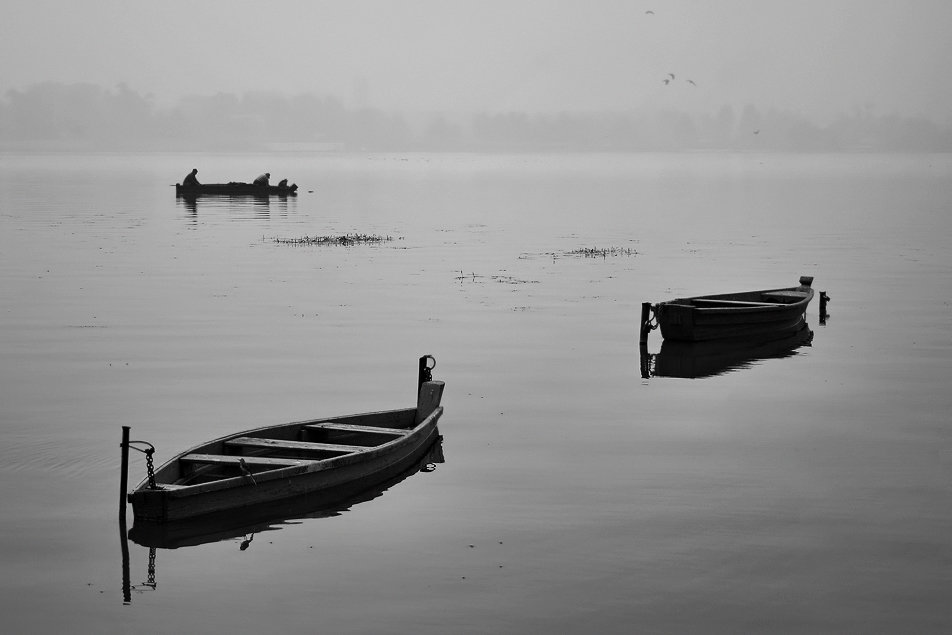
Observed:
{"x":149,"y":504}
{"x":431,"y":393}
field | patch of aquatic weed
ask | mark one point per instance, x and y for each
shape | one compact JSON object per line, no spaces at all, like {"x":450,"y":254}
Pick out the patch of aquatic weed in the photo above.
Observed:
{"x":501,"y":278}
{"x":343,"y":239}
{"x":598,"y":252}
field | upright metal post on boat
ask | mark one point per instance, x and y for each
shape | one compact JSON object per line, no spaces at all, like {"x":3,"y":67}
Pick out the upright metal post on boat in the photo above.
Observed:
{"x":645,"y":322}
{"x":824,"y":298}
{"x":124,"y":472}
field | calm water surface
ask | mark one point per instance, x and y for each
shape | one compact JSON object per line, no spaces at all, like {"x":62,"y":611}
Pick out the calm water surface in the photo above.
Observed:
{"x":803,"y":494}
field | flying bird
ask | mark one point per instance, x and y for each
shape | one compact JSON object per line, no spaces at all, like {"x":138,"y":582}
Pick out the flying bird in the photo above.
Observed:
{"x":671,"y":75}
{"x":649,"y":12}
{"x":666,"y":81}
{"x":691,"y":81}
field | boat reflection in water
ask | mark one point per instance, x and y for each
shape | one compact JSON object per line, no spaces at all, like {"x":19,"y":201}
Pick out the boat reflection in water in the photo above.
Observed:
{"x":258,"y":207}
{"x":249,"y":521}
{"x":695,"y":360}
{"x":273,"y":516}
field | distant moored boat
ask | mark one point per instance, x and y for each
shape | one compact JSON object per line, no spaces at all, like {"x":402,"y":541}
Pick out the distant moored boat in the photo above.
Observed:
{"x":744,"y":314}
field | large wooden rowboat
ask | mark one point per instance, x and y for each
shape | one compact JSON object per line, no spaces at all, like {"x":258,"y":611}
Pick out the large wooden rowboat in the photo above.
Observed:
{"x":732,"y":315}
{"x":276,"y":515}
{"x":291,"y":460}
{"x":234,"y":189}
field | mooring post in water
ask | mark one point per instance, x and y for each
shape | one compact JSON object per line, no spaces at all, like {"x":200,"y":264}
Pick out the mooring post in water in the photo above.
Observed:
{"x":824,"y":298}
{"x":124,"y":472}
{"x":645,"y":322}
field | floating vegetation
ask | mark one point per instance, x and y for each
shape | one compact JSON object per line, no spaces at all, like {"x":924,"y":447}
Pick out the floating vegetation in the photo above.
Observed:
{"x":511,"y":280}
{"x":473,"y":277}
{"x":596,"y":252}
{"x":344,"y":239}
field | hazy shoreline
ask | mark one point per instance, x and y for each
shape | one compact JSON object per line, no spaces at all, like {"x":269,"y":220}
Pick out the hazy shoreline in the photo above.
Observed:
{"x":54,"y":116}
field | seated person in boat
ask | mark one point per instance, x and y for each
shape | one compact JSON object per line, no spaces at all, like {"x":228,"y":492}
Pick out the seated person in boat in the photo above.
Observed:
{"x":263,"y":179}
{"x":191,"y":179}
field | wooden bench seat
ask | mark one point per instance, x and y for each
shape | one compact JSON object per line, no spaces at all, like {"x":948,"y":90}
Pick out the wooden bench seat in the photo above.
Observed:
{"x":732,"y":302}
{"x":275,"y":444}
{"x":347,"y":427}
{"x":250,"y":461}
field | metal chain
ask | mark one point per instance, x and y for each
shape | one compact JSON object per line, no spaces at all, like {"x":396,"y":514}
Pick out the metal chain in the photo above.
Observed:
{"x":151,"y":578}
{"x":149,"y":451}
{"x":150,"y":468}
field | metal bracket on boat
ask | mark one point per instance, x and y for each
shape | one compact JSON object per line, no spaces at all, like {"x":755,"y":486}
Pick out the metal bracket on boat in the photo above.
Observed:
{"x":149,"y":451}
{"x":426,"y":371}
{"x":649,"y":320}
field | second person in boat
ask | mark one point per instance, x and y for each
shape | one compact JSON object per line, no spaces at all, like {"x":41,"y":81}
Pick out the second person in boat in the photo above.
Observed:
{"x":264,"y":179}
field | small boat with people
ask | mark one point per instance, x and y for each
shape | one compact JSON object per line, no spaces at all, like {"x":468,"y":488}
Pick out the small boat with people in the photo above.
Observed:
{"x":234,"y":189}
{"x":730,"y":315}
{"x":261,"y":186}
{"x":304,"y":458}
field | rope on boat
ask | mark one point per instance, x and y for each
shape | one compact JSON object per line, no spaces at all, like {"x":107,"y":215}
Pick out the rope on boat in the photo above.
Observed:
{"x":246,"y":472}
{"x":653,"y":322}
{"x":149,"y":451}
{"x":649,"y":320}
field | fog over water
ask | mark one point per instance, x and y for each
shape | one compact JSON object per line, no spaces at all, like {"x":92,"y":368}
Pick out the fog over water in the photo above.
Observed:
{"x":812,"y":60}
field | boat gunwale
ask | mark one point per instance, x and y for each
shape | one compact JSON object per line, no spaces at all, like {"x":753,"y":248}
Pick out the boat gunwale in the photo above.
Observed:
{"x":684,"y":302}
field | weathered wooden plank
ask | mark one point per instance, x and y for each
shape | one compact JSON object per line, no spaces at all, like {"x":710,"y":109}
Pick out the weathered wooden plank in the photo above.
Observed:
{"x":785,"y":295}
{"x":225,"y":459}
{"x":347,"y":427}
{"x":252,"y":442}
{"x":431,"y":393}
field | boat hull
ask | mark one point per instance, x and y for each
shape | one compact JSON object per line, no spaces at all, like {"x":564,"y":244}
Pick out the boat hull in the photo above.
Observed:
{"x":207,"y":479}
{"x":274,"y":515}
{"x":233,"y":189}
{"x":735,"y":315}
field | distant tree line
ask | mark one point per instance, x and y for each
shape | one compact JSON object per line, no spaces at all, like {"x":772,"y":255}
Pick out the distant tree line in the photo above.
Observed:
{"x":86,"y":116}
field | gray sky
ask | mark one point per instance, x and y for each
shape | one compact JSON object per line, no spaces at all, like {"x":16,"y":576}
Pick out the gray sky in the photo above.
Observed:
{"x":817,"y":57}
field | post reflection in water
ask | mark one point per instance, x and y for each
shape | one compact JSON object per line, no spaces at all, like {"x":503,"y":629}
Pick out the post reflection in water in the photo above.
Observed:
{"x":127,"y":586}
{"x":696,"y":360}
{"x":247,"y":522}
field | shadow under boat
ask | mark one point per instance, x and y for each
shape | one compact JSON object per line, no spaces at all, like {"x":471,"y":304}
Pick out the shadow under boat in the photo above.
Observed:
{"x":696,"y":360}
{"x":274,"y":516}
